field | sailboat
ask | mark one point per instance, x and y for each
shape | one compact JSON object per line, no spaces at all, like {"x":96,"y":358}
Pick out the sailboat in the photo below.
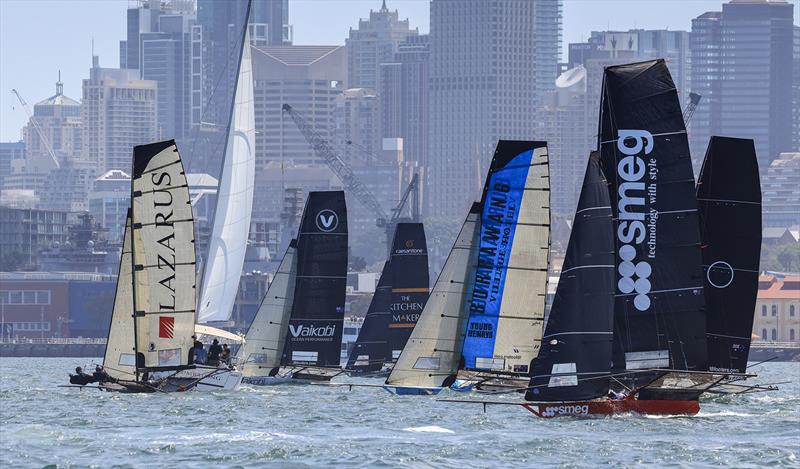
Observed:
{"x":395,"y":308}
{"x":152,"y":324}
{"x":729,"y":198}
{"x":297,"y":331}
{"x":485,"y":312}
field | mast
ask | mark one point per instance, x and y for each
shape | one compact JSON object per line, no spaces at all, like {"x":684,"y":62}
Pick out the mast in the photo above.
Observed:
{"x":729,"y":198}
{"x":317,"y":317}
{"x":506,"y":306}
{"x":231,"y":224}
{"x":659,"y":308}
{"x":576,"y":345}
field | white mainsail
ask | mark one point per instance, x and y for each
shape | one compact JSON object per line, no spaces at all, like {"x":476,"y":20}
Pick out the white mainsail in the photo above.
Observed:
{"x":265,"y":338}
{"x":223,"y":266}
{"x":433,"y":351}
{"x":120,"y":358}
{"x":163,"y":257}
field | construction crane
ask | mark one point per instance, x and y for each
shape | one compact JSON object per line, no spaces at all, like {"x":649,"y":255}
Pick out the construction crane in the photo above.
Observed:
{"x":352,"y":184}
{"x":688,"y":111}
{"x":38,"y":128}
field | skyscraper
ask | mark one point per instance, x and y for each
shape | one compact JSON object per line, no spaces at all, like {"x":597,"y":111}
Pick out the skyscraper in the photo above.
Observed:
{"x":59,"y":120}
{"x":118,"y":112}
{"x":483,"y":87}
{"x":753,"y":41}
{"x":373,"y":43}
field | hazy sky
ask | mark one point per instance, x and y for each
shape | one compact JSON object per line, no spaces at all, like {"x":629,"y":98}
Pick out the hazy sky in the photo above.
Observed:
{"x":39,"y":37}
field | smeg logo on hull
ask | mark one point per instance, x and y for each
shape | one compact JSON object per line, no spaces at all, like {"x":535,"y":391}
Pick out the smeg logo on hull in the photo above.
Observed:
{"x":327,"y":220}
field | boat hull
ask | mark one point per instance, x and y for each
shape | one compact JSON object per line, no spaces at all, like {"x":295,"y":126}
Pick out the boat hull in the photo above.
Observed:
{"x":412,"y":390}
{"x":267,"y":380}
{"x":608,"y":407}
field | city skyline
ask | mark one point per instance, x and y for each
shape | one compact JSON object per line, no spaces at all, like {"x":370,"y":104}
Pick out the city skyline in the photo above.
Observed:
{"x":71,"y":53}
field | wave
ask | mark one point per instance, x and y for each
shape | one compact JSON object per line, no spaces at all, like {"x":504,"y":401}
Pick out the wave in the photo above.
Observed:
{"x":428,"y":429}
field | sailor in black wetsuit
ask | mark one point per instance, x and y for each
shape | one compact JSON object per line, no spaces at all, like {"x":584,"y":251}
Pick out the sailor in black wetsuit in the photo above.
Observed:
{"x":101,"y":376}
{"x":80,"y":377}
{"x":213,"y":353}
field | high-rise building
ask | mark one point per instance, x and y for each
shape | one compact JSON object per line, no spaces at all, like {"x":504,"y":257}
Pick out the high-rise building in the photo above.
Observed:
{"x":482,"y":88}
{"x":59,"y":121}
{"x":109,"y":202}
{"x":308,"y":78}
{"x":796,"y":89}
{"x":373,"y":43}
{"x":404,"y":98}
{"x":118,"y":112}
{"x":780,"y":188}
{"x":547,"y":45}
{"x":754,"y":43}
{"x":357,"y":125}
{"x":145,"y":18}
{"x":10,"y":152}
{"x":166,"y":59}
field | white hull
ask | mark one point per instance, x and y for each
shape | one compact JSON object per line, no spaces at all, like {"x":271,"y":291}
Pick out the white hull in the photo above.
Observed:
{"x":211,"y":378}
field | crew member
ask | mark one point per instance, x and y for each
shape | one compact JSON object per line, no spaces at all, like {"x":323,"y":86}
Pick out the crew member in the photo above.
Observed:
{"x":226,"y":354}
{"x":101,"y":376}
{"x":213,"y":353}
{"x":80,"y":377}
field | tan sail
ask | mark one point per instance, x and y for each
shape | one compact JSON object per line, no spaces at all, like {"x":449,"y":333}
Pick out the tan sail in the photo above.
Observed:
{"x":266,"y":336}
{"x":163,"y":257}
{"x":119,"y":360}
{"x":433,"y":352}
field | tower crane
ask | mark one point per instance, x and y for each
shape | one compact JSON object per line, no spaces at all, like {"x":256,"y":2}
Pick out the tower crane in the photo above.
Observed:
{"x":38,"y":128}
{"x":688,"y":111}
{"x":323,"y":148}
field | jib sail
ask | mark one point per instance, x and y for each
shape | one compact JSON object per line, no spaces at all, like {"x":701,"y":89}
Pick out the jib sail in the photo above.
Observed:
{"x":315,"y":324}
{"x":506,"y":305}
{"x":575,"y":359}
{"x":432,"y":355}
{"x":163,"y":257}
{"x":659,"y":312}
{"x":410,"y":284}
{"x":266,"y":336}
{"x":369,"y":353}
{"x":119,"y":360}
{"x":729,"y":197}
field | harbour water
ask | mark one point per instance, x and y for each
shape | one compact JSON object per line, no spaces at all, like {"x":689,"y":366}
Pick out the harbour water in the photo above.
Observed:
{"x":307,"y":426}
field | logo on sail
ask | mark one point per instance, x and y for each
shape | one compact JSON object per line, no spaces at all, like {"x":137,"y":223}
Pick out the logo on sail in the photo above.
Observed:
{"x":635,"y":276}
{"x":312,"y":331}
{"x":327,"y":220}
{"x":166,"y":327}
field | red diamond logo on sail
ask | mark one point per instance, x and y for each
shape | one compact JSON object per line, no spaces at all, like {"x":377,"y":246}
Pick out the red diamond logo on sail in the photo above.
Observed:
{"x":166,"y":327}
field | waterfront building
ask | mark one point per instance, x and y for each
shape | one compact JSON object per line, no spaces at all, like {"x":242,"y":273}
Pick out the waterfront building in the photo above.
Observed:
{"x":742,"y":65}
{"x":118,"y":112}
{"x":483,"y":87}
{"x":373,"y":43}
{"x":777,"y":315}
{"x":24,"y":232}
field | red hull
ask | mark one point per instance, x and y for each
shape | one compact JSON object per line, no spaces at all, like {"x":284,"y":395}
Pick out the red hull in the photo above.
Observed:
{"x":612,"y":407}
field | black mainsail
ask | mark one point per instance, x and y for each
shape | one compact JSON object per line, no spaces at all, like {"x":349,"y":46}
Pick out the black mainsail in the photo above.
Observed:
{"x":369,"y":353}
{"x":729,"y":198}
{"x":659,"y":312}
{"x":399,"y":299}
{"x":317,"y":317}
{"x":574,"y":361}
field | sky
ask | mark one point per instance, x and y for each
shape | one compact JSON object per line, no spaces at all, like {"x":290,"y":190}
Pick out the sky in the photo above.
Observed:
{"x":40,"y":37}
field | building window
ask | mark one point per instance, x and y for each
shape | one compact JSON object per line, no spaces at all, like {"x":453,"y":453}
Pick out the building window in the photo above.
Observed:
{"x":791,"y":335}
{"x":774,"y":310}
{"x":763,"y":310}
{"x":774,"y":334}
{"x":791,"y":310}
{"x":763,"y":334}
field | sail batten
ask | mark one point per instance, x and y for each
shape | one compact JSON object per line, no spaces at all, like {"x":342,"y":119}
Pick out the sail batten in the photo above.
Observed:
{"x":164,"y":296}
{"x":729,"y":197}
{"x":231,"y":227}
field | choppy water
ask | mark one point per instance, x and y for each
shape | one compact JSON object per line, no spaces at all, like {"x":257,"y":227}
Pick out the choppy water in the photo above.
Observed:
{"x":296,"y":425}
